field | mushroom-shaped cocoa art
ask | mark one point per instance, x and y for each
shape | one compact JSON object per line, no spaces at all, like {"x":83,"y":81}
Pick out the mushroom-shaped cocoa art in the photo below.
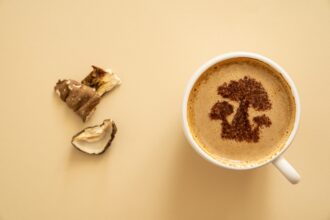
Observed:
{"x":248,"y":93}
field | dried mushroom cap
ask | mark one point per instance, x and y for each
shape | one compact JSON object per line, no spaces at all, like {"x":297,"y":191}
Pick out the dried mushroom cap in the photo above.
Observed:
{"x":80,"y":98}
{"x":95,"y":139}
{"x":101,"y":80}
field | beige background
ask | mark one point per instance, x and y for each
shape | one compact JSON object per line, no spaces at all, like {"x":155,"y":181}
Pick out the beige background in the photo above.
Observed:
{"x":150,"y":172}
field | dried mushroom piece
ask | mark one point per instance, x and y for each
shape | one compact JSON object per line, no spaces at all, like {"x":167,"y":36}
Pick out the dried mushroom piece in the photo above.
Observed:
{"x":80,"y":98}
{"x":101,"y":80}
{"x":95,"y":139}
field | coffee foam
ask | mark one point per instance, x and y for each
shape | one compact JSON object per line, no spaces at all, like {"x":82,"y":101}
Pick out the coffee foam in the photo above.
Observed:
{"x":207,"y":133}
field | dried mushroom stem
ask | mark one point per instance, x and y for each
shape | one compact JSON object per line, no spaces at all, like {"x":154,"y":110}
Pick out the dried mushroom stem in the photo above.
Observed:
{"x":85,"y":96}
{"x":80,"y":98}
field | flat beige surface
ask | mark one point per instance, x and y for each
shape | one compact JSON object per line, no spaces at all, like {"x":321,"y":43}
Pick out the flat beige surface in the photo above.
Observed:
{"x":150,"y":172}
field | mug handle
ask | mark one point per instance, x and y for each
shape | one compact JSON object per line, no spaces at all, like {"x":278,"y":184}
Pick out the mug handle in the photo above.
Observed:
{"x":287,"y":170}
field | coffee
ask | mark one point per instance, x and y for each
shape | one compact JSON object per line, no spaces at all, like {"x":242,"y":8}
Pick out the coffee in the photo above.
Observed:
{"x":241,"y":112}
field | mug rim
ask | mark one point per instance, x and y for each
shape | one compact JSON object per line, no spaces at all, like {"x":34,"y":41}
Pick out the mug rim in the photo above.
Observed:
{"x":226,"y":56}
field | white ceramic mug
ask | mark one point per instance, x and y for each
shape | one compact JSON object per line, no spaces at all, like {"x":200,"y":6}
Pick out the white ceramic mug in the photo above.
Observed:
{"x":278,"y":160}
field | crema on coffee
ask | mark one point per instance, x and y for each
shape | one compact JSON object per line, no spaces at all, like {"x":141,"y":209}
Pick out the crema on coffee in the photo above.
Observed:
{"x":241,"y":111}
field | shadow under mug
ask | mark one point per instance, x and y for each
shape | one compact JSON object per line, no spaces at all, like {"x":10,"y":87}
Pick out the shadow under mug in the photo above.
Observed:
{"x":278,"y":160}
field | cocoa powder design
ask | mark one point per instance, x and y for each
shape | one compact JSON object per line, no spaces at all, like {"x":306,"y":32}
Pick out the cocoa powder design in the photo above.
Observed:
{"x":248,"y":93}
